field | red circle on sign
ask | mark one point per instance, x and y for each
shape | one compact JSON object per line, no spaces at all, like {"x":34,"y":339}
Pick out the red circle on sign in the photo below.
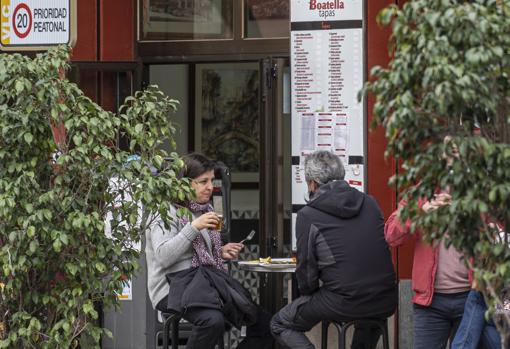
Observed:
{"x":29,"y":24}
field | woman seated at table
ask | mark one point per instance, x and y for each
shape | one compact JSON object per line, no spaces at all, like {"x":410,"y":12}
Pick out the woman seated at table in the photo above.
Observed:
{"x":184,"y":246}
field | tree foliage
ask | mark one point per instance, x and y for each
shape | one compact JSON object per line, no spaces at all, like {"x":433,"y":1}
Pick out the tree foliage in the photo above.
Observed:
{"x":56,"y":259}
{"x":449,"y":75}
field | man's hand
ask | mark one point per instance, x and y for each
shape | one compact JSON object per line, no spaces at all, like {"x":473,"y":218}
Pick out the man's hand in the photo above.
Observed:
{"x":231,"y":250}
{"x":439,"y":200}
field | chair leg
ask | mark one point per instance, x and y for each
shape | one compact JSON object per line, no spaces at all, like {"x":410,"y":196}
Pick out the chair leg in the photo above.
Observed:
{"x":343,"y":342}
{"x":341,"y":329}
{"x":324,"y":335}
{"x":386,"y":340}
{"x":171,"y":328}
{"x":166,"y":330}
{"x":175,"y":333}
{"x":229,"y":339}
{"x":221,"y":343}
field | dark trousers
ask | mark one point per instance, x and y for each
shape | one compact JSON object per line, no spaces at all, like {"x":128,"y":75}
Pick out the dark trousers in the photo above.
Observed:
{"x":438,"y":322}
{"x":290,"y":323}
{"x":209,"y":324}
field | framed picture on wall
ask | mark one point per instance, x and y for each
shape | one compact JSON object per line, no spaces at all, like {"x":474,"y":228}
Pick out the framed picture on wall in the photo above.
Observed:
{"x":185,"y":19}
{"x":227,"y":117}
{"x":267,"y":9}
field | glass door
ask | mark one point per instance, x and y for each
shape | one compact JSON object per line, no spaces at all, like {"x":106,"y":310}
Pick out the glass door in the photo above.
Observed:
{"x":238,"y":112}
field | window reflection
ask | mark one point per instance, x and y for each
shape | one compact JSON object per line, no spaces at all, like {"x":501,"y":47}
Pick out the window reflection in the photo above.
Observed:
{"x":266,"y":18}
{"x":186,"y":19}
{"x":227,"y":116}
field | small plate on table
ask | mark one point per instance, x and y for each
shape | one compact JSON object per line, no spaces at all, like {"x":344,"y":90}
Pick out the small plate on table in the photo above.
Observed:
{"x":271,"y":263}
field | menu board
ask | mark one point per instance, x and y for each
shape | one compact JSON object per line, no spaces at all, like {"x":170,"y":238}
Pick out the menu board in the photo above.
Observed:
{"x":327,"y":70}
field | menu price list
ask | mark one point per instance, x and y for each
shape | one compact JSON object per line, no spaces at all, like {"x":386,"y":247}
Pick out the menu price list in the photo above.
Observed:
{"x":327,"y":69}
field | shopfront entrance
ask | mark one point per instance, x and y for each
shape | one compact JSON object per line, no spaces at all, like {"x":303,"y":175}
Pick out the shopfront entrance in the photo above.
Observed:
{"x":232,"y":80}
{"x":238,"y":112}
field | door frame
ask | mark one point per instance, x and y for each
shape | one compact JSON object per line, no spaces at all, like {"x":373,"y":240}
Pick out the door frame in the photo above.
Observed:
{"x":272,"y":177}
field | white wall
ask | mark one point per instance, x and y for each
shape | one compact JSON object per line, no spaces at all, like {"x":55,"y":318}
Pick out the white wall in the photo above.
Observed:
{"x":172,"y":79}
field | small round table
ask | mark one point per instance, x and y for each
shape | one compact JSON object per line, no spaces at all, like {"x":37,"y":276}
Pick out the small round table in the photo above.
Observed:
{"x":274,"y":268}
{"x":270,"y":268}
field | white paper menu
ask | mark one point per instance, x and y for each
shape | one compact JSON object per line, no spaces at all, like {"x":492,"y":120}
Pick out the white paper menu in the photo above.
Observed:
{"x":327,"y":71}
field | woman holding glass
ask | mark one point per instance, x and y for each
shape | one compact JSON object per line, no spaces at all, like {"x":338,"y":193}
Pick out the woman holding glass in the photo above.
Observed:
{"x":187,"y":244}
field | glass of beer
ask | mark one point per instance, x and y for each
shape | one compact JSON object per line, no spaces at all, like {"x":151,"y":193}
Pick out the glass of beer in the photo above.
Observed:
{"x":219,"y":225}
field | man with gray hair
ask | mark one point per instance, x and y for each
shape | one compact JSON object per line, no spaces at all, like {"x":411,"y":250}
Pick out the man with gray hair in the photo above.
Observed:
{"x":340,"y":242}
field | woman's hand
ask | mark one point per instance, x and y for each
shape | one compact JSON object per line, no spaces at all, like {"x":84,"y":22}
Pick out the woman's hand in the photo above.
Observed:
{"x":231,"y":250}
{"x":207,"y":220}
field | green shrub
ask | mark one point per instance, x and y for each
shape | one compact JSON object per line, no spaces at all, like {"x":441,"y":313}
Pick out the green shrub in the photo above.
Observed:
{"x":56,"y":259}
{"x":449,"y":74}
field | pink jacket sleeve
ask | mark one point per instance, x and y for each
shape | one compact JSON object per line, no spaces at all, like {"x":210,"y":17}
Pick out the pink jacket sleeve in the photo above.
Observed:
{"x":395,"y":232}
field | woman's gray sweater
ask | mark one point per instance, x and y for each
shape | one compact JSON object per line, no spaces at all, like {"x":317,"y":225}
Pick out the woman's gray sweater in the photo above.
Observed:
{"x":168,"y":251}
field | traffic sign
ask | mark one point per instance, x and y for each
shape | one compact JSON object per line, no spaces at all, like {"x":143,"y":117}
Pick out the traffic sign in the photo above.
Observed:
{"x":36,"y":24}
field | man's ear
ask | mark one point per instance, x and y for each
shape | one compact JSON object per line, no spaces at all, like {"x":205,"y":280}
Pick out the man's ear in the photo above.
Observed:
{"x":312,"y":186}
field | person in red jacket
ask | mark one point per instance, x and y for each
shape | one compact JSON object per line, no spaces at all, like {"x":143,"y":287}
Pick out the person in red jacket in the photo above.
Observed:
{"x":440,"y":280}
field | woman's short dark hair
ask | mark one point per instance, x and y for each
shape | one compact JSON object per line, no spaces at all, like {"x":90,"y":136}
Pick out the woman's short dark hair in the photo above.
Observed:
{"x":197,"y":164}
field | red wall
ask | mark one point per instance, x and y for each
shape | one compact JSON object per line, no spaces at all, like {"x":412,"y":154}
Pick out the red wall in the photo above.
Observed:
{"x":86,"y":45}
{"x":106,"y":33}
{"x":117,"y":35}
{"x":379,"y":168}
{"x":116,"y":39}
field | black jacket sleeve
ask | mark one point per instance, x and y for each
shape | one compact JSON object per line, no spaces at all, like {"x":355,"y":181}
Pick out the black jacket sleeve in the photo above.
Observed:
{"x":307,"y":271}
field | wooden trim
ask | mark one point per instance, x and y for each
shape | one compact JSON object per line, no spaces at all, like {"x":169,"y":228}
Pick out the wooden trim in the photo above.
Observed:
{"x":238,"y":20}
{"x":181,"y":51}
{"x":117,"y":66}
{"x":136,"y":12}
{"x":207,"y":58}
{"x":245,"y":185}
{"x":192,"y":71}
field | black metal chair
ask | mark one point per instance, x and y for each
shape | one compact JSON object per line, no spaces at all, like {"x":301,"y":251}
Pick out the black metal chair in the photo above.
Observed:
{"x":342,"y":328}
{"x":171,"y":322}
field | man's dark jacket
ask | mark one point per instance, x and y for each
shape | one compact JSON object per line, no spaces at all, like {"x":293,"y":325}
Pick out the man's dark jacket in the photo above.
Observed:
{"x":207,"y":287}
{"x":340,"y":240}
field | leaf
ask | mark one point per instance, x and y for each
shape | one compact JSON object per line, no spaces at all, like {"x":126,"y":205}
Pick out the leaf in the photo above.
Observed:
{"x":47,"y":214}
{"x":31,"y":231}
{"x":33,"y":246}
{"x":100,"y":267}
{"x":66,"y":326}
{"x":19,"y":86}
{"x":498,"y":249}
{"x":88,"y":308}
{"x":5,"y":343}
{"x":77,"y":140}
{"x":72,"y":268}
{"x":64,"y":239}
{"x":28,"y":137}
{"x":108,"y":333}
{"x":57,"y":245}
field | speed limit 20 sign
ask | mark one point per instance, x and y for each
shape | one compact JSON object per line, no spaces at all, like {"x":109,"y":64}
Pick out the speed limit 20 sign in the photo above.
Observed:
{"x":36,"y":24}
